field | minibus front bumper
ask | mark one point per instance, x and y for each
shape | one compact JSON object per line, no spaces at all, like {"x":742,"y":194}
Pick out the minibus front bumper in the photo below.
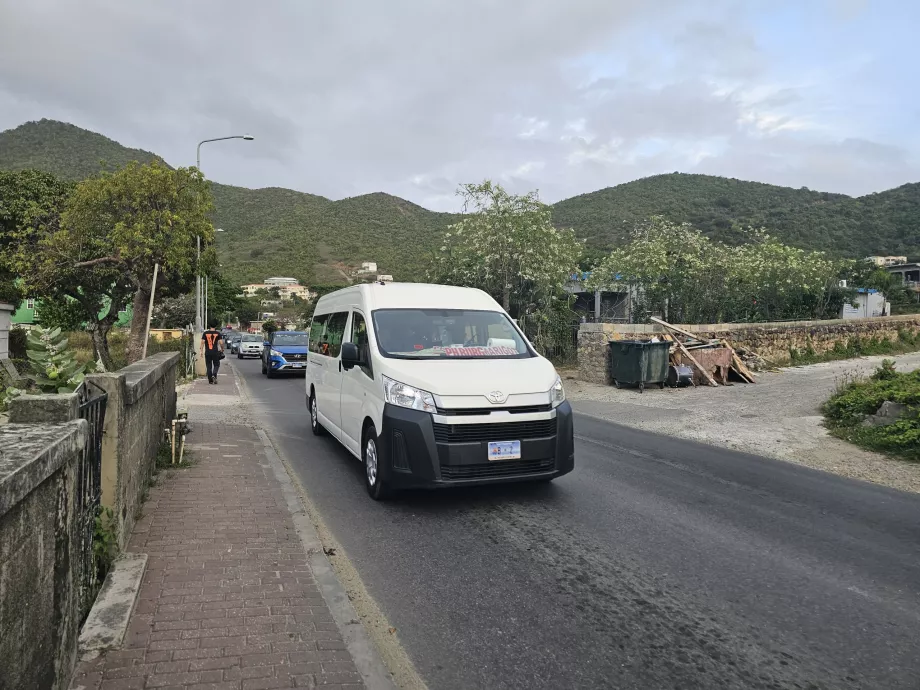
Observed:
{"x":419,"y":449}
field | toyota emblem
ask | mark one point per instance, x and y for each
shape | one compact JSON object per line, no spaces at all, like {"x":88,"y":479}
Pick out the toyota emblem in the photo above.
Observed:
{"x":496,"y":397}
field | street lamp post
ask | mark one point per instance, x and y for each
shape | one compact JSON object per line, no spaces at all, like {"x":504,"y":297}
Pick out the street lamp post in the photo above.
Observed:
{"x":198,"y":291}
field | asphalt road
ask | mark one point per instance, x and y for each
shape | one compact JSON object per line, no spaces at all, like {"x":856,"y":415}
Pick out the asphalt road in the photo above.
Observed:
{"x":657,"y":563}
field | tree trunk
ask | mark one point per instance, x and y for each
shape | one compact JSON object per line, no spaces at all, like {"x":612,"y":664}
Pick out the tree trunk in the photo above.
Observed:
{"x":506,"y":297}
{"x":140,"y":306}
{"x":99,"y":332}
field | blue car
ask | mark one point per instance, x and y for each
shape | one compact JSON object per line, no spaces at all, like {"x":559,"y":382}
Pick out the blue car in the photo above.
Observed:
{"x":285,"y":352}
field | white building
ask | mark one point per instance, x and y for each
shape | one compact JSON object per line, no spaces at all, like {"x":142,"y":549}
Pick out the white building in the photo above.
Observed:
{"x":286,"y":290}
{"x":887,"y":260}
{"x":368,"y":267}
{"x":869,"y":302}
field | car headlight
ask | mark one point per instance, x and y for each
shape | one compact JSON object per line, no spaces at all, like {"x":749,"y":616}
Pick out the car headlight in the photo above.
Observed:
{"x":557,"y":393}
{"x":275,"y":353}
{"x":404,"y":395}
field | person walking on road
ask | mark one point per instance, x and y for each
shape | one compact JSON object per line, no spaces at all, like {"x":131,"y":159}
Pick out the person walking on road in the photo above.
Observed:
{"x":212,"y":349}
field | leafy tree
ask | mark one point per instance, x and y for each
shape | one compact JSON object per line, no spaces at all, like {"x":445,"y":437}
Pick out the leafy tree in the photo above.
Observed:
{"x":71,"y":297}
{"x":223,"y":296}
{"x":507,"y":246}
{"x":676,"y":271}
{"x":269,"y":326}
{"x":175,"y":312}
{"x":130,"y":220}
{"x":29,"y":200}
{"x":247,"y":311}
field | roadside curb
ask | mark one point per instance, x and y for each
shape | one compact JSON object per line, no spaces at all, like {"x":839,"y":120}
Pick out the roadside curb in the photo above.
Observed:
{"x":357,"y":641}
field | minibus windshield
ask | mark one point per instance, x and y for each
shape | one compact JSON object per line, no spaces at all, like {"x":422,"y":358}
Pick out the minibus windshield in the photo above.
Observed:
{"x":448,"y":334}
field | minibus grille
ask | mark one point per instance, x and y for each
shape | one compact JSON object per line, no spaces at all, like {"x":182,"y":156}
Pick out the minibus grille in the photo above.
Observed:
{"x":499,"y":468}
{"x":511,"y":431}
{"x":471,"y":411}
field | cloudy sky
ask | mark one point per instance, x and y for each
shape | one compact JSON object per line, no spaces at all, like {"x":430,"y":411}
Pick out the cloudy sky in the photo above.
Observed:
{"x":413,"y":97}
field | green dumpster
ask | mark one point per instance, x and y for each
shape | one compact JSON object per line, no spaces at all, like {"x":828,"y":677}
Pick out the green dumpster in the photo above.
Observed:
{"x":636,"y":362}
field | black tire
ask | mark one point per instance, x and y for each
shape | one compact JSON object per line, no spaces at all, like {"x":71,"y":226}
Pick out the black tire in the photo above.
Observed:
{"x":376,"y":487}
{"x":264,"y":372}
{"x":315,"y":426}
{"x":239,"y":356}
{"x":270,"y":373}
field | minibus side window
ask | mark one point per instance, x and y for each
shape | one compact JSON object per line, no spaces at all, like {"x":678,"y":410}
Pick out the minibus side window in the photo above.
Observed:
{"x":317,"y":332}
{"x":335,"y":330}
{"x":359,"y":338}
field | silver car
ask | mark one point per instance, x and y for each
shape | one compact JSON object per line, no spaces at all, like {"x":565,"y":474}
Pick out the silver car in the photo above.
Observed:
{"x":250,"y":345}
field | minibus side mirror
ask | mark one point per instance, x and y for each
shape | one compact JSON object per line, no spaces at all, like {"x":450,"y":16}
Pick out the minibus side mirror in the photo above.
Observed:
{"x":350,"y":356}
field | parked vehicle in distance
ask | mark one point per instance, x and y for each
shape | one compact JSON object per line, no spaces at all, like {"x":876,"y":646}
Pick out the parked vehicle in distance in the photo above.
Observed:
{"x":249,"y":345}
{"x":434,"y":386}
{"x":285,"y":352}
{"x":233,"y":341}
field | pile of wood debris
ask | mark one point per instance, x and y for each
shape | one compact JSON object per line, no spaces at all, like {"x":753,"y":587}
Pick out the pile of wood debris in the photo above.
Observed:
{"x":710,"y":359}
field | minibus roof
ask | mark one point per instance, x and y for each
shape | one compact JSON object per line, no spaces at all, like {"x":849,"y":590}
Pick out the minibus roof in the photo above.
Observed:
{"x":373,"y":296}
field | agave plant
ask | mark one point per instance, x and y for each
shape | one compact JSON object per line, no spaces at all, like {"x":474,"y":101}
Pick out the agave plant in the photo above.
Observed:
{"x":53,"y":367}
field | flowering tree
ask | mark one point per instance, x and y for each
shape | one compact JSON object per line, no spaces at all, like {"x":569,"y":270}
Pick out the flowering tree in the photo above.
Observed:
{"x":507,"y":246}
{"x":678,"y":272}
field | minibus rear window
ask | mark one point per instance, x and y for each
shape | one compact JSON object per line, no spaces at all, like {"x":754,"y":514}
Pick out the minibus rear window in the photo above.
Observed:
{"x":448,"y":334}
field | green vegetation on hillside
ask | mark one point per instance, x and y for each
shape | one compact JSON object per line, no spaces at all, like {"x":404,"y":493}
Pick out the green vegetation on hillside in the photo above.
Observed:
{"x":283,"y":232}
{"x":723,"y":208}
{"x":65,"y":150}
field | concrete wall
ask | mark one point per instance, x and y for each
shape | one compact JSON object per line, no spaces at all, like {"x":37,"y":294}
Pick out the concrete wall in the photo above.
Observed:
{"x":142,"y":401}
{"x":770,"y":340}
{"x":39,"y":553}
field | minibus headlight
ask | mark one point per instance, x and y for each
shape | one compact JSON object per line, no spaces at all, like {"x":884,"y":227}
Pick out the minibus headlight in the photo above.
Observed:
{"x":557,"y":392}
{"x":404,"y":395}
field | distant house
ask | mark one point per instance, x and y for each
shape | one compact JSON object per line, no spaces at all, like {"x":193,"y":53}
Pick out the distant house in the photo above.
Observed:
{"x":287,"y":288}
{"x":909,"y":273}
{"x":368,"y":267}
{"x":610,"y":304}
{"x":869,"y":302}
{"x":885,"y":261}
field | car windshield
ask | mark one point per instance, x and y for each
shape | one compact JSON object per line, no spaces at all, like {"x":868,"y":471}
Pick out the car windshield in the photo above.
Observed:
{"x":287,"y":339}
{"x":447,"y":334}
{"x":251,"y":338}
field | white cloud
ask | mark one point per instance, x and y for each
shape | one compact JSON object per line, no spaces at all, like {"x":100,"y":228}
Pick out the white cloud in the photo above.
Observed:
{"x":414,"y":99}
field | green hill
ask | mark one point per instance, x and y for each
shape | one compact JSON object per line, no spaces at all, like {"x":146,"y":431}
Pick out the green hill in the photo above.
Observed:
{"x":275,"y":231}
{"x":64,"y":150}
{"x":884,"y":223}
{"x":267,"y":231}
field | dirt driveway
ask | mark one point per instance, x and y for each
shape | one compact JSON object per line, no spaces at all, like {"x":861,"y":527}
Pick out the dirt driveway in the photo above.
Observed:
{"x":779,"y":417}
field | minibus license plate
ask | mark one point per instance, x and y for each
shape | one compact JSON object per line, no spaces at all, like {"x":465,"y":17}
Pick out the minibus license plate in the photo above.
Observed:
{"x":504,"y":450}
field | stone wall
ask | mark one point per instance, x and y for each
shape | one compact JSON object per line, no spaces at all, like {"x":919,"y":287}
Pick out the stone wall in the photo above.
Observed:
{"x":142,"y":401}
{"x":774,"y":341}
{"x":39,"y":553}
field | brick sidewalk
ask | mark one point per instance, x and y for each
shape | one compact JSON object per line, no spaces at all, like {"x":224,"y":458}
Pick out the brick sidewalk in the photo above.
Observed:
{"x":228,"y":599}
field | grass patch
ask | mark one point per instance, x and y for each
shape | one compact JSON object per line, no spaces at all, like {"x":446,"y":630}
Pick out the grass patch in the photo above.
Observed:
{"x":856,"y":398}
{"x":164,"y":458}
{"x":906,"y":341}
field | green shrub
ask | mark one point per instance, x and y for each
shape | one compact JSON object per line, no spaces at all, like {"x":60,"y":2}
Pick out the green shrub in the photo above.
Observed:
{"x":855,"y":400}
